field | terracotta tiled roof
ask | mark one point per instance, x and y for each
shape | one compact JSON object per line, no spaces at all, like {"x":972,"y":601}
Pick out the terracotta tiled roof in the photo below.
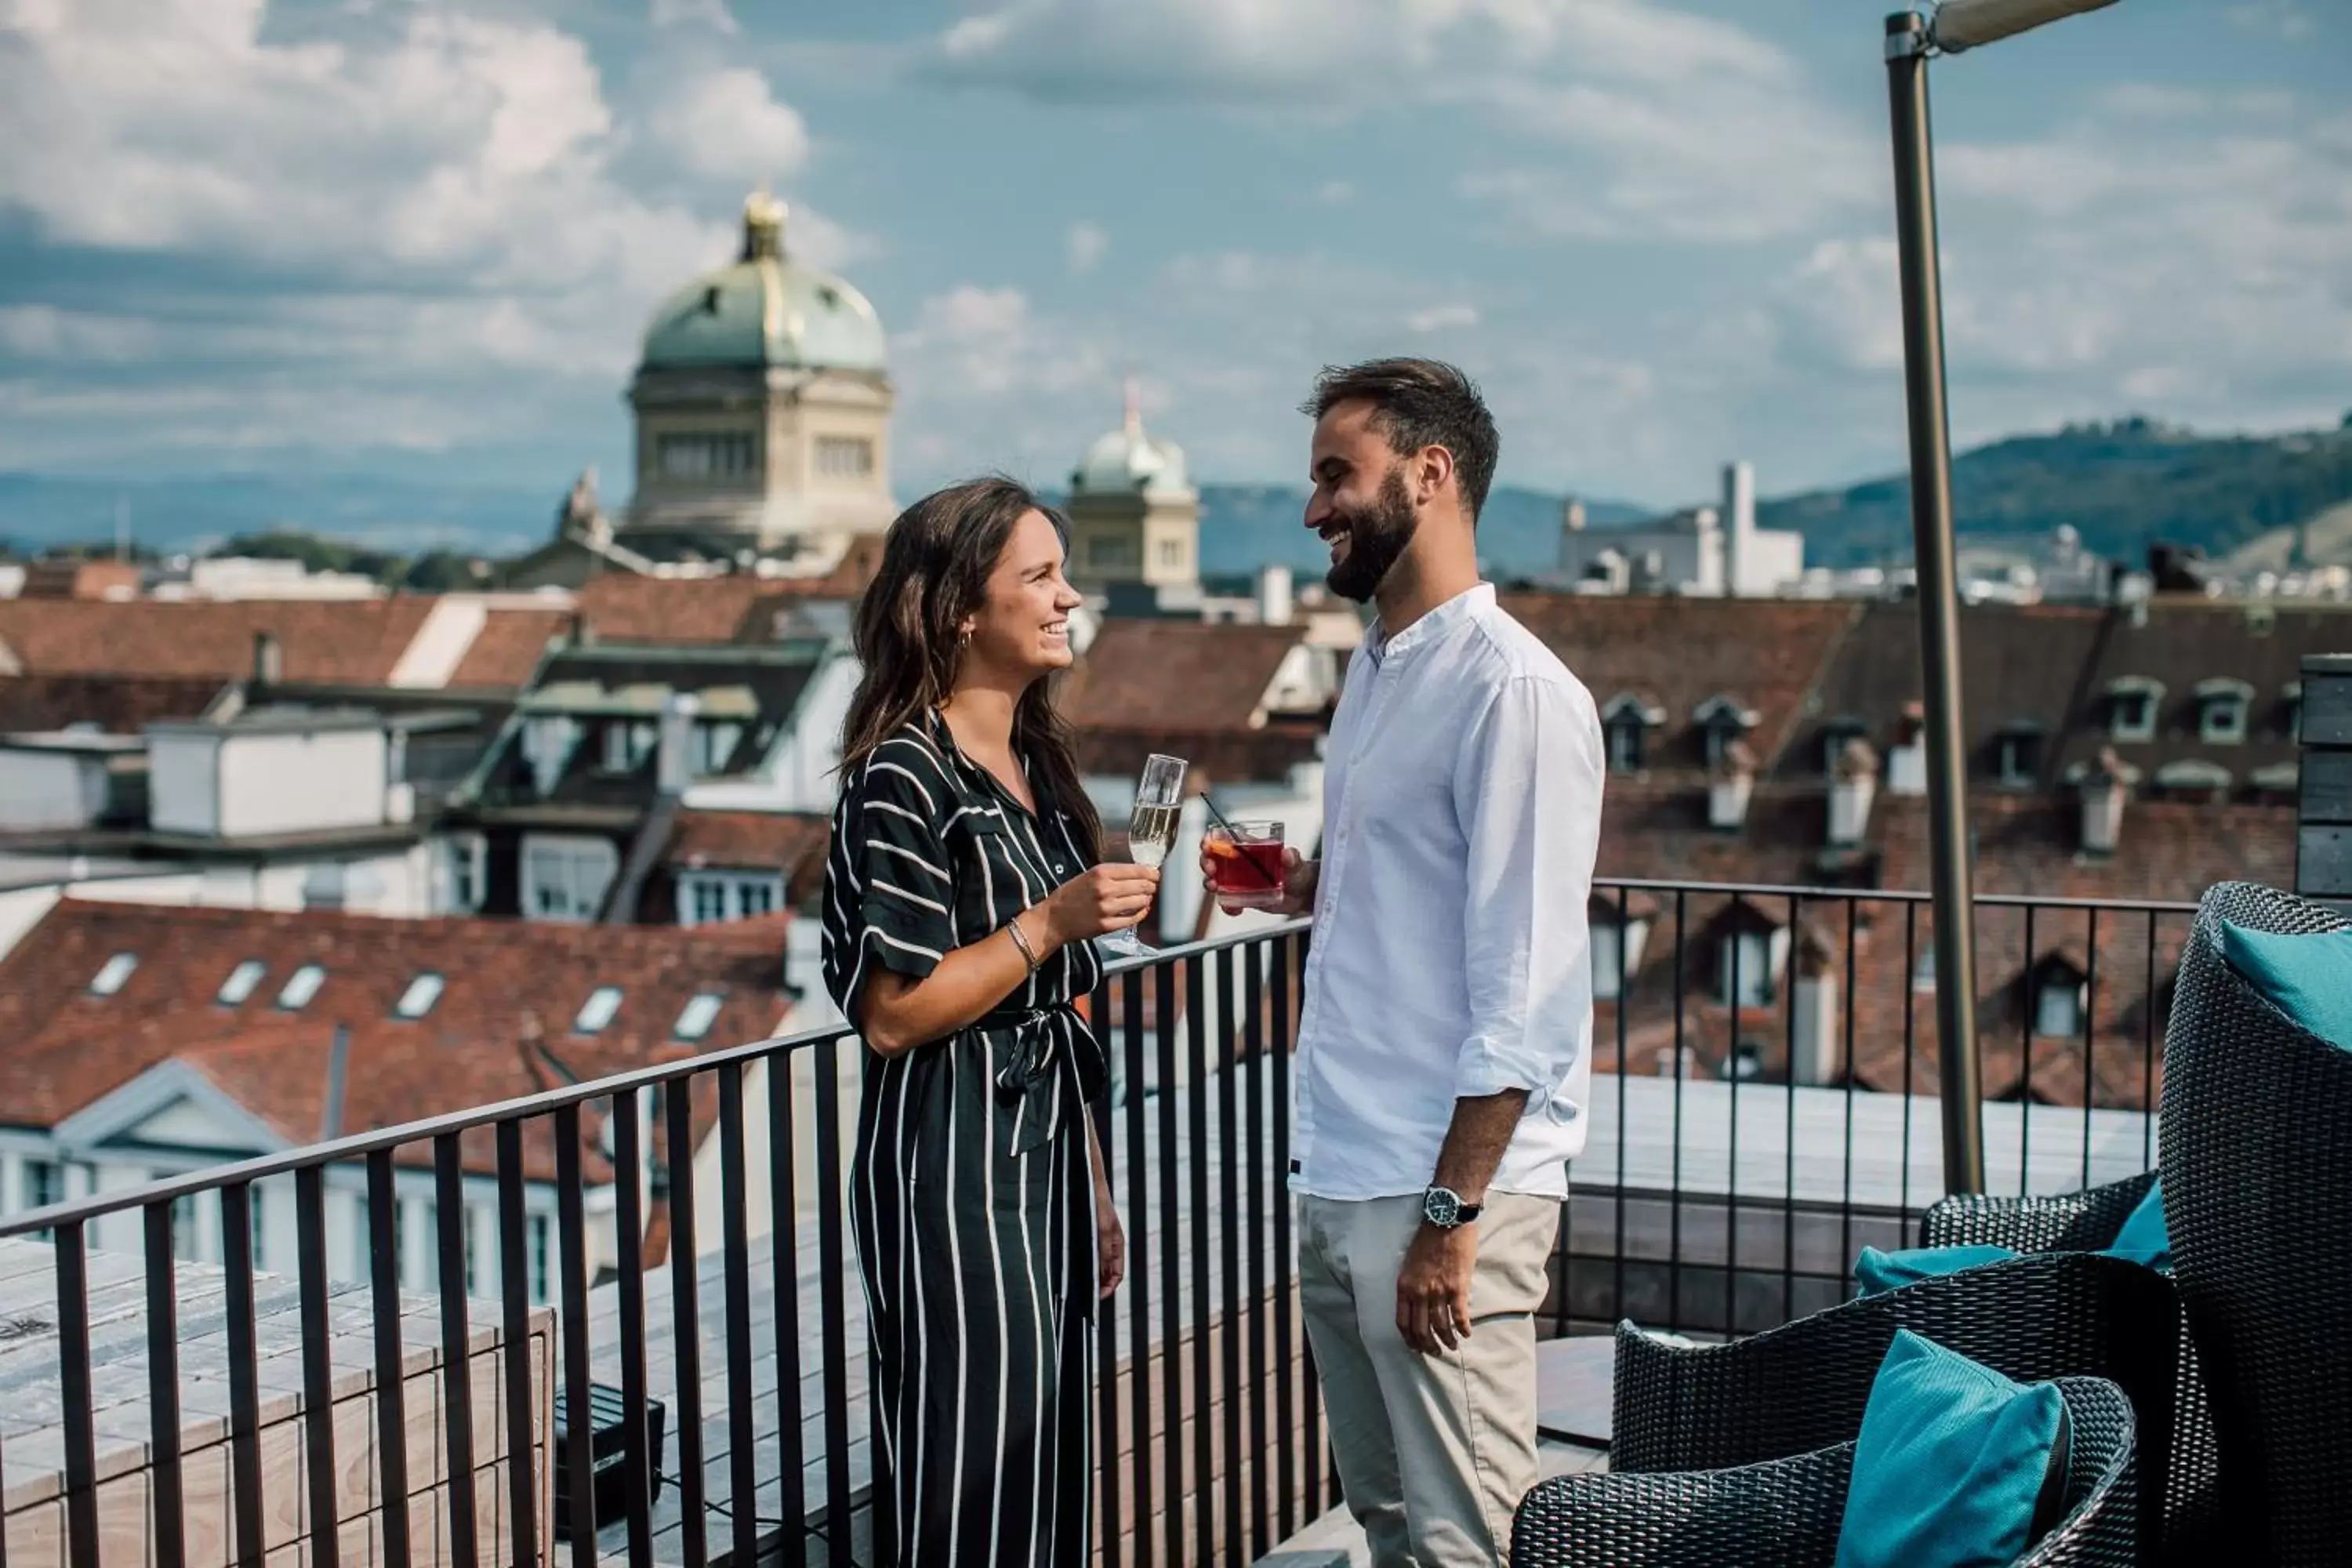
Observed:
{"x":507,"y":650}
{"x":1175,"y":677}
{"x":1675,"y":654}
{"x":790,"y":842}
{"x":122,"y":705}
{"x":619,"y":608}
{"x":66,"y":1048}
{"x":1242,"y":756}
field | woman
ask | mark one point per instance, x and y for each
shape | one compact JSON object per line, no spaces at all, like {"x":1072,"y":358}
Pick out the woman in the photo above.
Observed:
{"x":961,"y":893}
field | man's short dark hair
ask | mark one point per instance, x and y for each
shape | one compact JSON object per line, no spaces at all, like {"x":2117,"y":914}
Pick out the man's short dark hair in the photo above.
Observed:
{"x":1420,"y":402}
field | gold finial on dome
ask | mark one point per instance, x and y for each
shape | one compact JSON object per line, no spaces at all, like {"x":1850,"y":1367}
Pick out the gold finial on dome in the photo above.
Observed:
{"x":763,"y":226}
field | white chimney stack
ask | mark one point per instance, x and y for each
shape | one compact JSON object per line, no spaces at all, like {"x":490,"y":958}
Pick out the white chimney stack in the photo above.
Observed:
{"x":1739,"y":526}
{"x":1275,"y":599}
{"x":1851,"y":791}
{"x":1814,"y":1055}
{"x":1906,"y":763}
{"x":1728,"y":790}
{"x":673,"y":754}
{"x":2106,"y":787}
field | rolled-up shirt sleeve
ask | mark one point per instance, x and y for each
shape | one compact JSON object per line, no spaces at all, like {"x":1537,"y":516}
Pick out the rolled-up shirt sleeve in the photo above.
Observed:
{"x":1527,"y":791}
{"x":889,"y":877}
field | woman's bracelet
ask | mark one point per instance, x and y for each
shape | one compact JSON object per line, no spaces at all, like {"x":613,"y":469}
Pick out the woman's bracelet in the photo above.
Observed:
{"x":1021,"y":941}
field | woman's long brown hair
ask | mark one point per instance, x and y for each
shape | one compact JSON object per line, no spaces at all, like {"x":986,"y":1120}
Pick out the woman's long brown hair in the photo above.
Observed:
{"x":935,"y":562}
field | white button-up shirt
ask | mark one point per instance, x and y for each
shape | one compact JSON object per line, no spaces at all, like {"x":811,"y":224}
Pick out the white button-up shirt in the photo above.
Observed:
{"x":1451,"y":955}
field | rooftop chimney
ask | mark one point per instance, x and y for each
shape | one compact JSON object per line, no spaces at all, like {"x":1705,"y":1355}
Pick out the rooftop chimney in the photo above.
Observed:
{"x":1813,"y":1053}
{"x":268,"y":659}
{"x":339,"y":1059}
{"x":1274,"y":601}
{"x":673,"y":759}
{"x":1738,"y":525}
{"x":2106,"y":785}
{"x":1907,"y":761}
{"x":1727,"y":790}
{"x":1851,"y":790}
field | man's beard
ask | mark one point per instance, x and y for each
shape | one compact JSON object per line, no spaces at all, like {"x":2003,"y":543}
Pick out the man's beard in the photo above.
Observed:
{"x":1377,"y":536}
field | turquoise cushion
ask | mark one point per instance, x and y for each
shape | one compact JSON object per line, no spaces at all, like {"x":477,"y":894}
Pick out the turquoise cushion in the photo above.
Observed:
{"x":2142,"y":1238}
{"x":1878,"y":1272}
{"x":2308,"y":976}
{"x":1952,"y":1463}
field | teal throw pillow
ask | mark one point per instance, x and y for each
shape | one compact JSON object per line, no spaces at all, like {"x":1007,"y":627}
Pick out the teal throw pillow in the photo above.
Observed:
{"x":1957,"y":1467}
{"x":2142,"y":1238}
{"x":2308,"y":976}
{"x":1878,"y":1272}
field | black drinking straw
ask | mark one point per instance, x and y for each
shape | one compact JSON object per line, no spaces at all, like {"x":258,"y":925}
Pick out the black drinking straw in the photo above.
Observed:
{"x":1228,"y":826}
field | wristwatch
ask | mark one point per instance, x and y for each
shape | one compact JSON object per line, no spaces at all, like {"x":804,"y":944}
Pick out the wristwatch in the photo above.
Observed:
{"x":1444,"y":1208}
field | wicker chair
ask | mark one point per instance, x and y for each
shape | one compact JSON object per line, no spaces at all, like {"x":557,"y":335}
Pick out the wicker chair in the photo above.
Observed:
{"x":2257,"y":1163}
{"x":1786,"y":1512}
{"x":1802,"y":1386}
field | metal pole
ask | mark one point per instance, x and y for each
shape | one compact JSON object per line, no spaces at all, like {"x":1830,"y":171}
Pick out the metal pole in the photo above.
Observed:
{"x":1939,"y":613}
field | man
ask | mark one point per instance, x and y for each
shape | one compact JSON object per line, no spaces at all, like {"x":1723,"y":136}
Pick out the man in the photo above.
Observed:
{"x":1444,"y":1050}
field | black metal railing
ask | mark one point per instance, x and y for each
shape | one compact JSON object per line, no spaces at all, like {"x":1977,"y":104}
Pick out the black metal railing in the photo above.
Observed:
{"x":714,"y":1403}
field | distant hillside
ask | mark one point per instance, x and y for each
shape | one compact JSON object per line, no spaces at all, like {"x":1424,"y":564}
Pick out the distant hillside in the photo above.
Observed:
{"x":401,"y":516}
{"x":2124,"y":486}
{"x":1243,"y":527}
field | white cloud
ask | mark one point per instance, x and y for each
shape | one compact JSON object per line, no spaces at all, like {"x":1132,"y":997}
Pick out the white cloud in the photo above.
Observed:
{"x":1335,"y":193}
{"x":2283,"y":19}
{"x":1441,"y":318}
{"x":1084,"y":245}
{"x":726,"y":124}
{"x":695,"y":13}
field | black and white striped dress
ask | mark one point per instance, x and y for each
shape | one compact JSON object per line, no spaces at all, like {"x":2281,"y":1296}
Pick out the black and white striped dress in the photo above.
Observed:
{"x":971,"y":1193}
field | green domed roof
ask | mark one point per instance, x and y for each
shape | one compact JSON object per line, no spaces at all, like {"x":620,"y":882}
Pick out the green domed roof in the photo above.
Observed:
{"x":1126,"y":462}
{"x":766,"y":311}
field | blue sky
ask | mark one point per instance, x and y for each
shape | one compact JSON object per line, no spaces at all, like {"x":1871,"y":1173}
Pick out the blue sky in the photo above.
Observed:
{"x":424,"y":237}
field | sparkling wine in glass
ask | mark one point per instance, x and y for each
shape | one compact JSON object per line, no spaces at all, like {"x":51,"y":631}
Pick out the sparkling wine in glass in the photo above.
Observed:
{"x":1150,"y":834}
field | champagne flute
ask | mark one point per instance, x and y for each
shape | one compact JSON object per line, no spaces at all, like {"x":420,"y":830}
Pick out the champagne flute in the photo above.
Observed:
{"x":1150,"y":836}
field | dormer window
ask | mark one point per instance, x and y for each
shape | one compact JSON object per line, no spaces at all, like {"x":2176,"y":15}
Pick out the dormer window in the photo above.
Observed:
{"x":1749,"y":953}
{"x":1721,"y":720}
{"x":2060,"y":1000}
{"x":301,"y":986}
{"x":1626,"y":723}
{"x":2222,"y":707}
{"x":627,"y":743}
{"x":714,"y":743}
{"x":2290,"y":696}
{"x":2017,"y":754}
{"x":2132,"y":704}
{"x":240,"y":982}
{"x":1618,"y":937}
{"x":113,"y":974}
{"x":1836,"y":735}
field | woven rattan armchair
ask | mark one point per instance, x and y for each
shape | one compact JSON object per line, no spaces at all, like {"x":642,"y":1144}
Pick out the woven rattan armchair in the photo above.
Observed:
{"x":1802,"y":1386}
{"x":2256,"y":1136}
{"x":2070,"y":1222}
{"x":1786,"y":1512}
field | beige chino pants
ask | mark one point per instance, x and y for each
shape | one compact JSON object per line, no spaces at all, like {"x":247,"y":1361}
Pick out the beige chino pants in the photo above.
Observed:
{"x":1434,"y":1452}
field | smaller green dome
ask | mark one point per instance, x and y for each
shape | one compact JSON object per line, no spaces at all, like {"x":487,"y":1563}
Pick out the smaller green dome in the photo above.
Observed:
{"x":766,"y":311}
{"x":1126,"y":462}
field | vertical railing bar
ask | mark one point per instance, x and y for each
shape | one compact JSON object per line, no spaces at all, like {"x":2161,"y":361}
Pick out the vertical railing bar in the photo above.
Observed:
{"x":451,"y":1222}
{"x":1109,"y":1552}
{"x":163,"y":1390}
{"x":629,"y":1221}
{"x":243,"y":1376}
{"x":571,"y":1263}
{"x":1197,"y":1147}
{"x":2091,"y":1039}
{"x":1910,"y":1042}
{"x":1228,"y":1212}
{"x":677,"y":1096}
{"x":1138,"y":1259}
{"x":1286,"y":1389}
{"x":735,"y":1202}
{"x":784,"y":1274}
{"x":1171,"y":1322}
{"x":524,"y":1464}
{"x":1254,"y":1050}
{"x":318,"y":1366}
{"x":2147,"y":1056}
{"x":1731,"y":1166}
{"x":2025,"y":1083}
{"x":391,"y":1354}
{"x":1674,"y":1200}
{"x":1845,"y":1197}
{"x":74,"y":1389}
{"x":833,"y":1265}
{"x":1788,"y":1108}
{"x":1626,"y":971}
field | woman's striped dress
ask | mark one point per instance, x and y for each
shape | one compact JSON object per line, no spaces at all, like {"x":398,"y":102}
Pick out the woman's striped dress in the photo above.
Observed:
{"x":971,"y":1193}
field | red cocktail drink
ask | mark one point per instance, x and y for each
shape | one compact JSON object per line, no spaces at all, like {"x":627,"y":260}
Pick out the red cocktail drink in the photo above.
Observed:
{"x":1245,"y":864}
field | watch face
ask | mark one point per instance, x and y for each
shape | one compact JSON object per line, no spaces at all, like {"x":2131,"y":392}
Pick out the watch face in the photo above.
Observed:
{"x":1442,"y":1208}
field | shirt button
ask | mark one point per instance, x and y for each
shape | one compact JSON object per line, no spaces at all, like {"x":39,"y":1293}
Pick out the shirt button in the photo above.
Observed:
{"x":1060,"y":869}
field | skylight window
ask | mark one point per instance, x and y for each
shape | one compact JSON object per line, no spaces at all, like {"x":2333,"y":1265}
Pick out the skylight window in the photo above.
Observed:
{"x":240,"y":982}
{"x":418,"y":999}
{"x":598,"y":1010}
{"x":301,"y":986}
{"x":112,"y":973}
{"x":695,"y":1019}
